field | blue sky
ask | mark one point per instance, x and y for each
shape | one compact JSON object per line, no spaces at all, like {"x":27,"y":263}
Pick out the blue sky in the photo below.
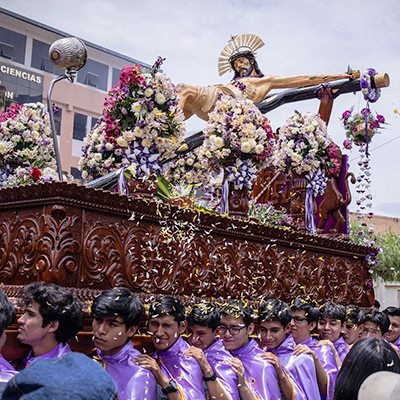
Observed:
{"x":302,"y":37}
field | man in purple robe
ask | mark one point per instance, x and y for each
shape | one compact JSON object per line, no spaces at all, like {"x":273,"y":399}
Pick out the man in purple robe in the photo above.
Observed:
{"x":376,"y":324}
{"x":116,"y":317}
{"x":236,"y":327}
{"x":275,"y":317}
{"x":221,"y":374}
{"x":305,"y":319}
{"x":52,"y":315}
{"x":330,"y":324}
{"x":7,"y":316}
{"x":353,"y":324}
{"x":179,"y":375}
{"x":393,"y":334}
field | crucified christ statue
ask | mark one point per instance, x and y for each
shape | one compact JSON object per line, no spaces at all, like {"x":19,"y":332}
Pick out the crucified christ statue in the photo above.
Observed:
{"x":248,"y":79}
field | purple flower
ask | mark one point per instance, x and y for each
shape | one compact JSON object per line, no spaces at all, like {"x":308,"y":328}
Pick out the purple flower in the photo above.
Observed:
{"x":380,"y":118}
{"x":371,"y":71}
{"x":364,"y":84}
{"x":347,"y":144}
{"x":346,"y":114}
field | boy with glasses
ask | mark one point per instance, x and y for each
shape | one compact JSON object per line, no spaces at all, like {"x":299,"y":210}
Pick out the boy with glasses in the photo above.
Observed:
{"x":236,"y":327}
{"x":353,"y":324}
{"x":376,"y":324}
{"x":305,"y":319}
{"x":275,"y":317}
{"x":330,"y":324}
{"x":179,"y":375}
{"x":221,"y":371}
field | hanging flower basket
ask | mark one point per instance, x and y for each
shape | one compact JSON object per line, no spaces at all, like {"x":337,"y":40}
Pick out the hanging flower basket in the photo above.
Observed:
{"x":358,"y":133}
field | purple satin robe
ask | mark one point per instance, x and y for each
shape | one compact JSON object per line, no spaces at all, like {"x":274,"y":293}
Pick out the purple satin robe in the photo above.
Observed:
{"x":342,"y":347}
{"x":218,"y":357}
{"x":397,"y":343}
{"x":326,"y":355}
{"x":57,"y":352}
{"x":301,"y":369}
{"x":133,"y":382}
{"x":7,"y":371}
{"x":259,"y":373}
{"x":185,"y":370}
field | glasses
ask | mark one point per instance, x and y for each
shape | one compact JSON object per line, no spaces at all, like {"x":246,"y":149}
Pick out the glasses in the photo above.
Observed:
{"x":299,"y":320}
{"x":233,"y":330}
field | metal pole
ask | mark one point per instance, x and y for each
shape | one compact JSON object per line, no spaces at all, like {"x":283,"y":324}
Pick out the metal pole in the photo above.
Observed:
{"x":52,"y":123}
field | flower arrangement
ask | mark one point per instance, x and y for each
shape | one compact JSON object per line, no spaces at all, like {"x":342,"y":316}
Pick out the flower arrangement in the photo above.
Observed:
{"x":269,"y":215}
{"x":141,"y":125}
{"x":304,"y":146}
{"x":360,"y":127}
{"x":370,"y":94}
{"x":190,"y":169}
{"x":26,"y":145}
{"x":237,"y":131}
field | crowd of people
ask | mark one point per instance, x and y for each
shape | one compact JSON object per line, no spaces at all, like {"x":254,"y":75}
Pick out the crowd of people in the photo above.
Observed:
{"x":210,"y":351}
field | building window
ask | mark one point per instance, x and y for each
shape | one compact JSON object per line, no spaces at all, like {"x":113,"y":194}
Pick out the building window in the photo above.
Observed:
{"x":12,"y":45}
{"x":80,"y":124}
{"x":115,"y":76}
{"x":40,"y":58}
{"x":94,"y":74}
{"x":76,"y":173}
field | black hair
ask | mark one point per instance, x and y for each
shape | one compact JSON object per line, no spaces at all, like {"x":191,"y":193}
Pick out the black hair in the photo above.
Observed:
{"x":311,"y":311}
{"x":367,"y":355}
{"x":168,"y":305}
{"x":250,"y":56}
{"x":354,"y":315}
{"x":204,"y":314}
{"x":7,"y":312}
{"x":119,"y":302}
{"x":275,"y":310}
{"x":377,"y":305}
{"x":56,"y":303}
{"x":333,"y":311}
{"x":238,"y":309}
{"x":392,"y":311}
{"x":379,"y":318}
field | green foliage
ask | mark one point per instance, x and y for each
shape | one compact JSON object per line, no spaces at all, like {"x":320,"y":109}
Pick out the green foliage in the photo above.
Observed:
{"x":388,"y":260}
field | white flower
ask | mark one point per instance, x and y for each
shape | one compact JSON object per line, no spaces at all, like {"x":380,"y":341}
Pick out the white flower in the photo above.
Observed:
{"x":245,"y":147}
{"x":160,"y":98}
{"x":128,"y":135}
{"x":259,"y":149}
{"x":252,"y":143}
{"x":136,"y":107}
{"x":148,"y":92}
{"x":109,"y":146}
{"x":146,"y":142}
{"x":98,"y":157}
{"x":122,"y":142}
{"x":212,"y":139}
{"x":219,"y":142}
{"x":138,"y":132}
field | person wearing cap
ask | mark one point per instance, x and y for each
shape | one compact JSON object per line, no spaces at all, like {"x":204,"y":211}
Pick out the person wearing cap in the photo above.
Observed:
{"x":382,"y":385}
{"x":7,"y":316}
{"x":71,"y":376}
{"x":178,"y":375}
{"x":116,"y":317}
{"x":236,"y":327}
{"x":393,"y":334}
{"x":52,"y":315}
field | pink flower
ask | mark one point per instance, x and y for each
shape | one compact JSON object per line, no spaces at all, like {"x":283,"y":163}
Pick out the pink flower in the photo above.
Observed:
{"x":346,"y":114}
{"x":380,"y":118}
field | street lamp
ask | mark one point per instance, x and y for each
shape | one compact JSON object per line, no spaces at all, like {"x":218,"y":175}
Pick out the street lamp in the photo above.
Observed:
{"x":69,"y":54}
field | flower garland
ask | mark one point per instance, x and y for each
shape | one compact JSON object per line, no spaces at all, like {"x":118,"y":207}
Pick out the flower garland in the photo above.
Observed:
{"x":269,"y":215}
{"x":370,"y":94}
{"x":141,"y":125}
{"x":26,"y":146}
